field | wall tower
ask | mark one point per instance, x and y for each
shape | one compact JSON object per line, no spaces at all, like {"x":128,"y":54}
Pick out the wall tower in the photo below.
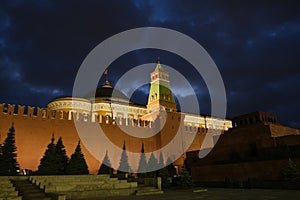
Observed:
{"x":160,"y":95}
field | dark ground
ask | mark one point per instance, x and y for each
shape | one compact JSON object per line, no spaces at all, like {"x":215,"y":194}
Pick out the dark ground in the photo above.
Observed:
{"x":219,"y":193}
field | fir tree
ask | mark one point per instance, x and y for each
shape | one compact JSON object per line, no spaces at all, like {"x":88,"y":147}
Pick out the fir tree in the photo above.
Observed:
{"x":161,"y":163}
{"x":124,"y":165}
{"x":142,"y":169}
{"x":77,"y":164}
{"x":62,"y":158}
{"x":185,"y":180}
{"x":152,"y":165}
{"x":290,"y":172}
{"x":105,"y":166}
{"x":171,"y":169}
{"x":49,"y":163}
{"x":8,"y":161}
{"x":164,"y":174}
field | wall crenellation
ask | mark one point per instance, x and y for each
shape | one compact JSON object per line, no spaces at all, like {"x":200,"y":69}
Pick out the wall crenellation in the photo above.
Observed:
{"x":47,"y":114}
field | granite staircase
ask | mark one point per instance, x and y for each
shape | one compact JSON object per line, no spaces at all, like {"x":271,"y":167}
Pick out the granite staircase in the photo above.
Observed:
{"x":7,"y":190}
{"x":29,"y":191}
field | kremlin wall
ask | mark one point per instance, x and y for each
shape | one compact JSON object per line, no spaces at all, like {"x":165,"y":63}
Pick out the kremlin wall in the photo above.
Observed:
{"x":35,"y":126}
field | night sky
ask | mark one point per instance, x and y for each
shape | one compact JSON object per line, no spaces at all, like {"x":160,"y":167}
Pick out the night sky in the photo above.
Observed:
{"x":255,"y":44}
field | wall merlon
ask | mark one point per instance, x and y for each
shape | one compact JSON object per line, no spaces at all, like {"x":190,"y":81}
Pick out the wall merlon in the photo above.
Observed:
{"x":2,"y":108}
{"x":30,"y":111}
{"x":39,"y":112}
{"x":21,"y":109}
{"x":10,"y":109}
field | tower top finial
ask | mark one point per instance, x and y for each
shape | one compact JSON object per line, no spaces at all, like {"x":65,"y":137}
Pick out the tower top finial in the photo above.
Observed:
{"x":106,"y":84}
{"x":158,"y":66}
{"x":106,"y":74}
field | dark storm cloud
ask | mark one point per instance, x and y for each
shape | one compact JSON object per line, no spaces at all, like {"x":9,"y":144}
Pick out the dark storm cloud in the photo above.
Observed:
{"x":255,"y":45}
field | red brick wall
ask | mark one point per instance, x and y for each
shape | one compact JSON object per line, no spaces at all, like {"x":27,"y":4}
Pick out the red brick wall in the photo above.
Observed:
{"x":33,"y":134}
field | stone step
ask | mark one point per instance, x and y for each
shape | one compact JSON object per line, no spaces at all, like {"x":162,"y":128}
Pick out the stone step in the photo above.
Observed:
{"x":5,"y":182}
{"x":11,"y":198}
{"x":37,"y":198}
{"x":148,"y":191}
{"x":91,"y":186}
{"x":59,"y":178}
{"x":28,"y":191}
{"x":7,"y":189}
{"x":8,"y":194}
{"x":27,"y":187}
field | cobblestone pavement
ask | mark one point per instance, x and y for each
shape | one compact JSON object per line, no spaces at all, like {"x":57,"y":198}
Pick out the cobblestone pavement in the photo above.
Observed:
{"x":219,"y":194}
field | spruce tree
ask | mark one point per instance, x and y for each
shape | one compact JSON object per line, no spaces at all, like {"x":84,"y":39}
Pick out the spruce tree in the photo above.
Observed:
{"x":290,"y":172}
{"x":8,"y":159}
{"x":105,"y":167}
{"x":164,"y":174}
{"x":185,"y":180}
{"x":171,"y":169}
{"x":161,"y":162}
{"x":142,"y":169}
{"x":62,"y":158}
{"x":124,"y":165}
{"x":49,"y":164}
{"x":77,"y":164}
{"x":152,"y":166}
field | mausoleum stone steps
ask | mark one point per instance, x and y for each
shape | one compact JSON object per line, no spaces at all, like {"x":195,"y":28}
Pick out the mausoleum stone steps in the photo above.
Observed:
{"x":28,"y":191}
{"x":84,"y":186}
{"x":7,"y":190}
